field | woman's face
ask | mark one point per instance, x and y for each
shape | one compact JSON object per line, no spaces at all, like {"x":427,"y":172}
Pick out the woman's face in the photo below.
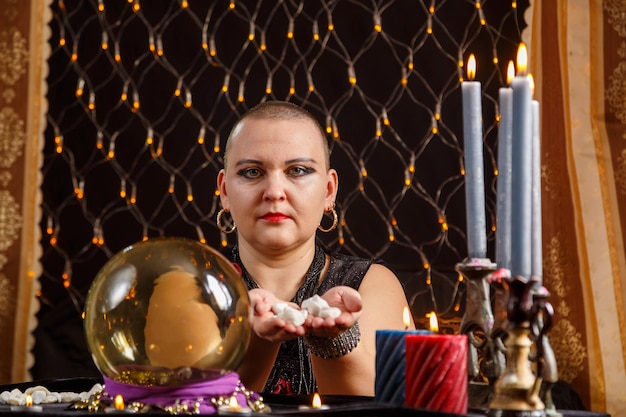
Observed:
{"x":276,"y":184}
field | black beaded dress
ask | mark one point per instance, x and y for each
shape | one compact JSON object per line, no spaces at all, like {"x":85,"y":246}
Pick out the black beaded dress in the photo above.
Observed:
{"x":292,"y":373}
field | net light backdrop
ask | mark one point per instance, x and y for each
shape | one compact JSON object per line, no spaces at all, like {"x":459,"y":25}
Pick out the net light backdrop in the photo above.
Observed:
{"x":142,"y":96}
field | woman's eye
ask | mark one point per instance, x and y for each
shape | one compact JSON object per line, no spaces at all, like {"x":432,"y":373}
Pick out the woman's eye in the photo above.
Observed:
{"x":249,"y":173}
{"x":299,"y":171}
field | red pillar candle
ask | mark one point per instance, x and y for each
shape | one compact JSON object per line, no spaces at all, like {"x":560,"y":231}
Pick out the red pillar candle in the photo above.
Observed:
{"x":436,"y":372}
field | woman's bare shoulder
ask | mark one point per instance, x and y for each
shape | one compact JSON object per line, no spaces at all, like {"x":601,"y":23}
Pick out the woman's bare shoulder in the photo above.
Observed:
{"x":379,"y":274}
{"x":381,"y":280}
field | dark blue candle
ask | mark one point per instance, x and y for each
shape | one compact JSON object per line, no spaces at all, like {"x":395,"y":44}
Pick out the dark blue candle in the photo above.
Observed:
{"x":391,"y":363}
{"x":390,"y":366}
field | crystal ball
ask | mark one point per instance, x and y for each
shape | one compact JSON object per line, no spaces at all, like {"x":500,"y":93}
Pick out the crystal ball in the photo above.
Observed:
{"x":165,"y":312}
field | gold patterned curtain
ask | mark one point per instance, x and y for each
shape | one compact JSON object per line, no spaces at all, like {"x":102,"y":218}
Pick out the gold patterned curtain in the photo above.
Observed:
{"x":578,"y":57}
{"x":579,"y":65}
{"x":23,"y":53}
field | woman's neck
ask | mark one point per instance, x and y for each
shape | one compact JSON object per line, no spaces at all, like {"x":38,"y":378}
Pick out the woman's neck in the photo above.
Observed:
{"x":281,"y":274}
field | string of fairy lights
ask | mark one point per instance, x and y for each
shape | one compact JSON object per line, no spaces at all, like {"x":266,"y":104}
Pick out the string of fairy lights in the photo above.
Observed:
{"x":141,"y":97}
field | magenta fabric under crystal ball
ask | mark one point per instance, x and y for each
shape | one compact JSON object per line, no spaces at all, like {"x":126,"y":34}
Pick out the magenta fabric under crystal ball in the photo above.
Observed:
{"x":167,"y":312}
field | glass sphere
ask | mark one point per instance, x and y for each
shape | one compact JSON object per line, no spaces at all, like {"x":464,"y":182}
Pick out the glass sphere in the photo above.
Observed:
{"x":167,"y":312}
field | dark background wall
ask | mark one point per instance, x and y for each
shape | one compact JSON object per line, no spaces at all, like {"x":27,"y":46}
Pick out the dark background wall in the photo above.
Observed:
{"x":142,"y":96}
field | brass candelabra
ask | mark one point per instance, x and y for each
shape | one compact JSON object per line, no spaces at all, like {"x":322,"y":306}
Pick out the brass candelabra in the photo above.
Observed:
{"x":511,"y":365}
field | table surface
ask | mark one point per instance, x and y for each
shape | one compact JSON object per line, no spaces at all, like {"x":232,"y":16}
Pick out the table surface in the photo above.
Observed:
{"x":280,"y":405}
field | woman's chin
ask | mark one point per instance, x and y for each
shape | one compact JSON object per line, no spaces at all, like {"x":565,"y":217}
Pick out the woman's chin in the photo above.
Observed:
{"x":278,"y":242}
{"x":277,"y":238}
{"x":277,"y":245}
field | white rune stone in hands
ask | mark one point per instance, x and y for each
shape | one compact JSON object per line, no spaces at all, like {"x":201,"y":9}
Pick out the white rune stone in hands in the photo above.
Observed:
{"x":289,"y":314}
{"x":315,"y":306}
{"x":318,"y":307}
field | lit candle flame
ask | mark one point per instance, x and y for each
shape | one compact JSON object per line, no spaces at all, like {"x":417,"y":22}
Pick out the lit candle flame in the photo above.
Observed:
{"x":434,"y":324}
{"x":119,"y":402}
{"x":510,"y":73}
{"x":406,"y":317}
{"x":317,"y":401}
{"x":522,"y":59}
{"x":233,"y":404}
{"x":471,"y":67}
{"x":29,"y":400}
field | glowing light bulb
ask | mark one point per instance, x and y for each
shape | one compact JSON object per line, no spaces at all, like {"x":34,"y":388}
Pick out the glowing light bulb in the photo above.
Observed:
{"x":351,"y":75}
{"x":377,"y":24}
{"x":290,"y":30}
{"x":104,"y":43}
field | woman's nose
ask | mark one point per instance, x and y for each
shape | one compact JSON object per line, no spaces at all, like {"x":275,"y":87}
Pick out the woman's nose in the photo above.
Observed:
{"x":274,"y":187}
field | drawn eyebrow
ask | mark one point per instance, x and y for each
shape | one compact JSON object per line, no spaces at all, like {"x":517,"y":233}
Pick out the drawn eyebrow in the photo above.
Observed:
{"x":296,"y":160}
{"x":248,"y":161}
{"x":287,"y":162}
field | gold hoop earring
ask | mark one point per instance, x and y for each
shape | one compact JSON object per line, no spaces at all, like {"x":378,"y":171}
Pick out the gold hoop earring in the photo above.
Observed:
{"x":335,"y":221}
{"x":219,"y":223}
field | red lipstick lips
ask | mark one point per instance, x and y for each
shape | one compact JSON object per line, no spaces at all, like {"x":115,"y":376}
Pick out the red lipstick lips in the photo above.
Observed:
{"x":274,"y":217}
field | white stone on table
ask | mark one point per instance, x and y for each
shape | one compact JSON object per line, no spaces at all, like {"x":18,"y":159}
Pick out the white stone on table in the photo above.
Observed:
{"x":41,"y":395}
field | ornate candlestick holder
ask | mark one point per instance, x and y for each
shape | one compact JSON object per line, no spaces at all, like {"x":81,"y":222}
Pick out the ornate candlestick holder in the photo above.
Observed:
{"x":477,"y":324}
{"x":545,"y":358}
{"x":517,"y":389}
{"x":499,"y":330}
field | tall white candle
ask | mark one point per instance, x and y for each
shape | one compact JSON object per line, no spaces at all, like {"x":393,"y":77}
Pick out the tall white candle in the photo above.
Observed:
{"x":536,"y":243}
{"x":521,"y":210}
{"x":474,"y":170}
{"x":503,"y":207}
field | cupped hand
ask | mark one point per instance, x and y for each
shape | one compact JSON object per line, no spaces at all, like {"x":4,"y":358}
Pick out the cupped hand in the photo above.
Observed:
{"x":346,"y":299}
{"x":264,"y":322}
